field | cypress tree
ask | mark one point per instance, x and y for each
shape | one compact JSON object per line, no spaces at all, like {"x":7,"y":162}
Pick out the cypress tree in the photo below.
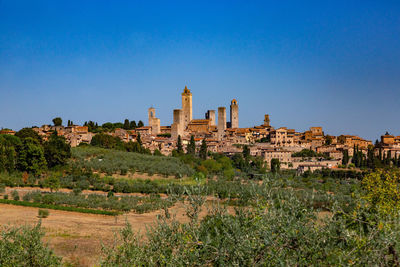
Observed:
{"x":203,"y":149}
{"x":179,"y":147}
{"x":132,"y":125}
{"x":126,"y":124}
{"x":191,"y":147}
{"x":345,"y":159}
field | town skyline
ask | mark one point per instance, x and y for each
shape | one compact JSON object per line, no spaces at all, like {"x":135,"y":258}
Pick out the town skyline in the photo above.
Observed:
{"x":198,"y":114}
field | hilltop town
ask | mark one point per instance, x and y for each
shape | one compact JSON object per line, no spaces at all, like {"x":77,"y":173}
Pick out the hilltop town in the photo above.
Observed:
{"x":309,"y":150}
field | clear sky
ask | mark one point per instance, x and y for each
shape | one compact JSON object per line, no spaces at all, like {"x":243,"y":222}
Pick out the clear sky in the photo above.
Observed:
{"x":334,"y":64}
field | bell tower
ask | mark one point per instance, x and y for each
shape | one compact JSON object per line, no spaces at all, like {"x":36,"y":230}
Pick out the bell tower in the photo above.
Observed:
{"x":186,"y":107}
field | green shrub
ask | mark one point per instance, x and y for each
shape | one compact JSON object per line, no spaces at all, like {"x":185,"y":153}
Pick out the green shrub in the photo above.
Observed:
{"x":15,"y":195}
{"x":23,"y":246}
{"x":43,"y":213}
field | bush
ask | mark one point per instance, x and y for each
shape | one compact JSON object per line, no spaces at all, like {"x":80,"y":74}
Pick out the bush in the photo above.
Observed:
{"x":23,"y":246}
{"x":281,"y":230}
{"x":15,"y":195}
{"x":43,"y":213}
{"x":382,"y":190}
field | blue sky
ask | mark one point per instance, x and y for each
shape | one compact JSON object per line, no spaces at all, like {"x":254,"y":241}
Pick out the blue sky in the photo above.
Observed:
{"x":334,"y":64}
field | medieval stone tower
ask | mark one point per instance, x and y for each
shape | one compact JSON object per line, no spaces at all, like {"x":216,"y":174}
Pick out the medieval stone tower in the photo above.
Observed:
{"x":186,"y":106}
{"x":211,"y":116}
{"x":266,"y":120}
{"x":234,"y":114}
{"x":154,"y":122}
{"x":221,"y":122}
{"x":177,"y":125}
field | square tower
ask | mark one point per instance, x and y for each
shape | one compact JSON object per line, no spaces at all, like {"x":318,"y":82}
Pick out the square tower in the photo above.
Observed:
{"x":221,"y":122}
{"x":186,"y":107}
{"x":234,"y":114}
{"x":177,"y":126}
{"x":211,"y":116}
{"x":154,"y":122}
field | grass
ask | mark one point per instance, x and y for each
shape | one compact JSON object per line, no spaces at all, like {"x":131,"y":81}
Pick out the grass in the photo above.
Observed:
{"x":57,"y":207}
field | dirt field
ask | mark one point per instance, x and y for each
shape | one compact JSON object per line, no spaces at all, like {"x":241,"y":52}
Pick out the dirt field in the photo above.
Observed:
{"x":77,"y":236}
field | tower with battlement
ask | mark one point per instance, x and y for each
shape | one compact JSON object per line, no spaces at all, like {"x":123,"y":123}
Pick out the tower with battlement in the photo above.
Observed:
{"x":186,"y":107}
{"x":234,"y":114}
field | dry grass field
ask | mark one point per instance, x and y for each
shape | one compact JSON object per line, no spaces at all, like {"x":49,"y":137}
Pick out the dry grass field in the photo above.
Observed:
{"x":78,"y":237}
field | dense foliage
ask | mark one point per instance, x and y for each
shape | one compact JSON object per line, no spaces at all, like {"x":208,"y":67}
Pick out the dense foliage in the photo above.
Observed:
{"x":96,"y":201}
{"x":27,"y":152}
{"x":24,"y":247}
{"x":383,"y":190}
{"x":281,"y":230}
{"x":113,"y":161}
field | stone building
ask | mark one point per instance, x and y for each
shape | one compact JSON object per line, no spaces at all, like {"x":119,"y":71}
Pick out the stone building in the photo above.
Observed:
{"x":234,"y":112}
{"x":154,"y":122}
{"x":221,"y":122}
{"x":186,"y":107}
{"x":199,"y":126}
{"x":177,"y":126}
{"x":211,"y":116}
{"x":266,"y":121}
{"x":284,"y":156}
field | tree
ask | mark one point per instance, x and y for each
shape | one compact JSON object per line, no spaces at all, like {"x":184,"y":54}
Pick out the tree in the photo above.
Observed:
{"x":28,"y":132}
{"x":107,"y":141}
{"x":203,"y":150}
{"x":246,"y":152}
{"x":53,"y":183}
{"x":126,"y":124}
{"x":382,"y":190}
{"x":191,"y":147}
{"x":31,"y":157}
{"x":56,"y":151}
{"x":275,"y":165}
{"x":132,"y":125}
{"x":117,"y":125}
{"x":57,"y":121}
{"x":328,"y":140}
{"x":157,"y":153}
{"x":9,"y":145}
{"x":140,"y":124}
{"x":179,"y":147}
{"x":370,"y":158}
{"x":345,"y":159}
{"x":139,"y":139}
{"x":133,"y":147}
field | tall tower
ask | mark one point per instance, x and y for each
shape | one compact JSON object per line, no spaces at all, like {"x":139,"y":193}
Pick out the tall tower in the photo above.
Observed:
{"x":177,"y":126}
{"x":221,"y":122}
{"x":234,"y":114}
{"x":211,"y":116}
{"x":186,"y":106}
{"x":266,"y":120}
{"x":154,"y":122}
